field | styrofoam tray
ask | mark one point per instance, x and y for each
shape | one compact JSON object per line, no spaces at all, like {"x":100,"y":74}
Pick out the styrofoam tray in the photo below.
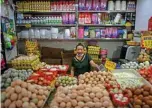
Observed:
{"x":129,"y":78}
{"x":126,"y":73}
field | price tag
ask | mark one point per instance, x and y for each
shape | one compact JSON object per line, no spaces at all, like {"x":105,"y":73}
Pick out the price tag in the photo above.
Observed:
{"x":110,"y":65}
{"x":28,"y":25}
{"x":146,"y":40}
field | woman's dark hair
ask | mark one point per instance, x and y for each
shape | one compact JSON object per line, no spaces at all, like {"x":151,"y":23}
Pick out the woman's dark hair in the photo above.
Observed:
{"x":80,"y":44}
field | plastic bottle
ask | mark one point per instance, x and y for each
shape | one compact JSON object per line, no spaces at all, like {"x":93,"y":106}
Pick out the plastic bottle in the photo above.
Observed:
{"x":47,"y":20}
{"x":57,"y":20}
{"x":52,"y":20}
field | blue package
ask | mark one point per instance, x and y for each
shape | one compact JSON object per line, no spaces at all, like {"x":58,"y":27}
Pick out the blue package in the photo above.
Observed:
{"x":98,"y":33}
{"x":86,"y":32}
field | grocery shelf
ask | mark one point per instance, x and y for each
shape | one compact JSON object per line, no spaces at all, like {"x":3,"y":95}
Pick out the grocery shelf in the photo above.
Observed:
{"x":36,"y":12}
{"x":103,"y":25}
{"x":106,"y":11}
{"x":85,"y":39}
{"x":48,"y":25}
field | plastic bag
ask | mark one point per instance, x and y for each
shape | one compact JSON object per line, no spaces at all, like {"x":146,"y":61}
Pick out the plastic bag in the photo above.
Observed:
{"x":37,"y":33}
{"x":42,"y":33}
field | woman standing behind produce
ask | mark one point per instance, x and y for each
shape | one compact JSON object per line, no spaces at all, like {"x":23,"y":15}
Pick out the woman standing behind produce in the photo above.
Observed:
{"x":82,"y":62}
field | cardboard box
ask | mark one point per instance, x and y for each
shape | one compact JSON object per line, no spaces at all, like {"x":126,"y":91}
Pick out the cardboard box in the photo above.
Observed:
{"x":52,"y":61}
{"x":67,"y":54}
{"x":53,"y":53}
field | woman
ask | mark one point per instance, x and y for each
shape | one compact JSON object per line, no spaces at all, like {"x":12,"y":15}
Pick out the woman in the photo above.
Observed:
{"x":82,"y":62}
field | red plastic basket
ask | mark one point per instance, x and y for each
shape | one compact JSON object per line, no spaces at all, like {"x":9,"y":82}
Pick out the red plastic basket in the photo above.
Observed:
{"x":120,"y":103}
{"x":63,"y":72}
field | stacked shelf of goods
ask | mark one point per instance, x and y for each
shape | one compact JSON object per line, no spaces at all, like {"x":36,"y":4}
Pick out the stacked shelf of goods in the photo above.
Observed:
{"x":94,"y":52}
{"x":26,"y":62}
{"x":76,"y":15}
{"x":32,"y":48}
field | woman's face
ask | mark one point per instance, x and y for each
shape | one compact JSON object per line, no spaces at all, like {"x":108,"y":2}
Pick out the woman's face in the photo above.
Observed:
{"x":80,"y":50}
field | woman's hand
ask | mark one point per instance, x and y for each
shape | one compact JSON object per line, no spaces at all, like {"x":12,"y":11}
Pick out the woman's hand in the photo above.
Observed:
{"x":98,"y":67}
{"x":93,"y":64}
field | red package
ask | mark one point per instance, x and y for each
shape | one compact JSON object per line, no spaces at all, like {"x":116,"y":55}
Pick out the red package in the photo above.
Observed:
{"x":120,"y":103}
{"x":150,"y":24}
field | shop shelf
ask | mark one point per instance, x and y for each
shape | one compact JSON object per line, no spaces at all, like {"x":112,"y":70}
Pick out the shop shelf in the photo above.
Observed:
{"x":93,"y":11}
{"x":85,"y":39}
{"x":51,"y":12}
{"x":103,"y":25}
{"x":48,"y":25}
{"x":106,"y":11}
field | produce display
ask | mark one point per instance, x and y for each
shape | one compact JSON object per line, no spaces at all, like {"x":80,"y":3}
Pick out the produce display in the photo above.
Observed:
{"x":56,"y":67}
{"x":32,"y":48}
{"x":135,"y":65}
{"x":12,"y":75}
{"x":128,"y":79}
{"x":66,"y":81}
{"x":140,"y":97}
{"x":130,"y":65}
{"x":145,"y":64}
{"x":42,"y":77}
{"x":146,"y":73}
{"x":26,"y":62}
{"x":143,"y":57}
{"x":120,"y":100}
{"x":24,"y":95}
{"x":95,"y":78}
{"x":82,"y":96}
{"x":61,"y":69}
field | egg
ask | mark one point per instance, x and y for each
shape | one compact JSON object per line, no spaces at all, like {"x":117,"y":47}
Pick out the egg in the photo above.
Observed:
{"x":81,"y":104}
{"x":145,"y":106}
{"x":67,"y":99}
{"x":98,"y":104}
{"x":137,"y":106}
{"x":19,"y":103}
{"x":62,"y":105}
{"x":138,"y":102}
{"x":59,"y":99}
{"x":40,"y":103}
{"x":68,"y":105}
{"x":7,"y":103}
{"x":86,"y":94}
{"x":90,"y":104}
{"x":13,"y":97}
{"x":12,"y":105}
{"x":149,"y":102}
{"x":138,"y":92}
{"x":80,"y":92}
{"x":73,"y":95}
{"x":74,"y":102}
{"x":92,"y":95}
{"x":79,"y":98}
{"x":105,"y":104}
{"x":95,"y":99}
{"x":145,"y":93}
